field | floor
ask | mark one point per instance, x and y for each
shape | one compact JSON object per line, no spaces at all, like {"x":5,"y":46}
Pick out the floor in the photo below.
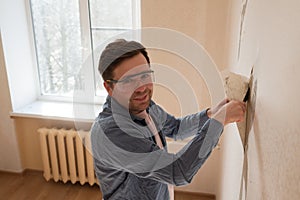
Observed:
{"x":33,"y":186}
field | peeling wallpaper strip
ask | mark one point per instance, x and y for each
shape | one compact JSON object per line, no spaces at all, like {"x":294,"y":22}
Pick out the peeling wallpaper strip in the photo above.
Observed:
{"x":236,"y":87}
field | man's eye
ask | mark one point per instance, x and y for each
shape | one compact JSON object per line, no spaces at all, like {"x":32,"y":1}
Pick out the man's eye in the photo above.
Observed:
{"x":145,"y":76}
{"x":127,"y":81}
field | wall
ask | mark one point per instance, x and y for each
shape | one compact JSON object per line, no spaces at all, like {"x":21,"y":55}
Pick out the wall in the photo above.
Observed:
{"x":205,"y":22}
{"x":268,"y":39}
{"x":17,"y":47}
{"x":9,"y":150}
{"x":16,"y":69}
{"x":189,"y":19}
{"x":232,"y":149}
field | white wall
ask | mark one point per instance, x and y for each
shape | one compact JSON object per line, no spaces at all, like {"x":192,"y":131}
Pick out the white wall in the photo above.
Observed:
{"x":270,"y":42}
{"x":232,"y":150}
{"x":274,"y":156}
{"x":18,"y":86}
{"x":204,"y":22}
{"x":9,"y":151}
{"x":15,"y":31}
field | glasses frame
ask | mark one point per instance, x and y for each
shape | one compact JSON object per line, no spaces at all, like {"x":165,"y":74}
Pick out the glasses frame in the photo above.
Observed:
{"x":128,"y":77}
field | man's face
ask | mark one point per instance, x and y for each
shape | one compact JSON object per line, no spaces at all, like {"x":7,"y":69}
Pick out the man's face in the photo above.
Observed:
{"x":134,"y":87}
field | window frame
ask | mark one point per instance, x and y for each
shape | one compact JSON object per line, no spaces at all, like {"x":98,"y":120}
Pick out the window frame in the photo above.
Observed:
{"x":88,"y":54}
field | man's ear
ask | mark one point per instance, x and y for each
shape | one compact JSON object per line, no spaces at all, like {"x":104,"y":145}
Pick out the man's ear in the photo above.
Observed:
{"x":108,"y":88}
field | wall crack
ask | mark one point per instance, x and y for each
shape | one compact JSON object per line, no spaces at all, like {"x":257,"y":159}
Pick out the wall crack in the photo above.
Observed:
{"x":243,"y":14}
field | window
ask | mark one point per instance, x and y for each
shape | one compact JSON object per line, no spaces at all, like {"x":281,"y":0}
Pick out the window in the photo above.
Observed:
{"x":68,"y":34}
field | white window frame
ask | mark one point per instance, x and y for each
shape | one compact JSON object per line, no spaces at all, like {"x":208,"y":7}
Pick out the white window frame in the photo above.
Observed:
{"x":87,"y":48}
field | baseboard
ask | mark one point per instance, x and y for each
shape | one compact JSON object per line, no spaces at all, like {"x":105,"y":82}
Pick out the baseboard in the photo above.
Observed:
{"x":11,"y":172}
{"x":196,"y":193}
{"x":23,"y":172}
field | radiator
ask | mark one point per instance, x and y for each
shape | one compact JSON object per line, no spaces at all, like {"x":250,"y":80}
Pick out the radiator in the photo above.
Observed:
{"x":67,"y":156}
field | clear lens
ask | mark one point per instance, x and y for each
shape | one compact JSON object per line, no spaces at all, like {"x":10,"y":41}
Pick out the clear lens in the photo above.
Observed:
{"x":135,"y":81}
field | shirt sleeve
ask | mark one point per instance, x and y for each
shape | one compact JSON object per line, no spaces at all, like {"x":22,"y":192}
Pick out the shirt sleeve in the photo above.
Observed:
{"x":121,"y":150}
{"x":180,"y":128}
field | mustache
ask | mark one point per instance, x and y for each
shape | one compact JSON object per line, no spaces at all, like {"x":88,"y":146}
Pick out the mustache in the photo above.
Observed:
{"x":139,"y":94}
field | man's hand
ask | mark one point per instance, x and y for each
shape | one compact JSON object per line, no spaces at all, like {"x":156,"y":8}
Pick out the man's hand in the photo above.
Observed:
{"x":214,"y":110}
{"x":228,"y":111}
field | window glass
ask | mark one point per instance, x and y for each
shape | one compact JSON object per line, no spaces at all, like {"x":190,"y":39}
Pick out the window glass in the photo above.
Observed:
{"x":66,"y":34}
{"x":56,"y":26}
{"x":111,"y":14}
{"x":108,"y":19}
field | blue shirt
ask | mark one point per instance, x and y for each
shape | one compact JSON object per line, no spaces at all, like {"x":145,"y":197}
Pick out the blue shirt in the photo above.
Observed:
{"x":129,"y":164}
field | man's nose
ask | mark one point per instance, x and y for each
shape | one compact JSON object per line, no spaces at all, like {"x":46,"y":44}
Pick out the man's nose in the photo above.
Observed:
{"x":140,"y":86}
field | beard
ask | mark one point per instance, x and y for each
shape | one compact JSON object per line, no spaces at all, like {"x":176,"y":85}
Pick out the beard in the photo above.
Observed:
{"x":140,"y":101}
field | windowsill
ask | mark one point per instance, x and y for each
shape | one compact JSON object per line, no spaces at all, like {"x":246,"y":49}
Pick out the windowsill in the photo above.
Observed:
{"x":78,"y":112}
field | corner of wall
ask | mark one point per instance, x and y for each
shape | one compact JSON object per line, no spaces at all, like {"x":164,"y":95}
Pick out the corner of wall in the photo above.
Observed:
{"x":9,"y":148}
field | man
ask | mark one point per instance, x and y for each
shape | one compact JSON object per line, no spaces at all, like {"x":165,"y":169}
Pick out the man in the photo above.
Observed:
{"x":128,"y":136}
